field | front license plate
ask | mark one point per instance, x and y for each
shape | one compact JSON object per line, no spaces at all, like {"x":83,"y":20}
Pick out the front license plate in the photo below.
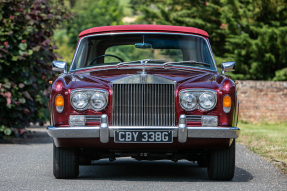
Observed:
{"x":127,"y":136}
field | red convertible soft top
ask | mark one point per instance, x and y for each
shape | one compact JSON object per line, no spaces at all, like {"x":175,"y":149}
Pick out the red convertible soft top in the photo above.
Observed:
{"x":145,"y":28}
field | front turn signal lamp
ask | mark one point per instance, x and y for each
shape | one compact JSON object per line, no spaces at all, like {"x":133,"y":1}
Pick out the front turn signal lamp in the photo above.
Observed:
{"x":59,"y":103}
{"x":226,"y":103}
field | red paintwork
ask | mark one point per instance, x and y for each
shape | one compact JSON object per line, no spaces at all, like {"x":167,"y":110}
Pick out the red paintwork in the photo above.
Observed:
{"x":143,"y":28}
{"x":185,"y":79}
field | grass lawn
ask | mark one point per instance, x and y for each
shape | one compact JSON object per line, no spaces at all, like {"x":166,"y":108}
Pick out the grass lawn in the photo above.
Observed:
{"x":268,"y":140}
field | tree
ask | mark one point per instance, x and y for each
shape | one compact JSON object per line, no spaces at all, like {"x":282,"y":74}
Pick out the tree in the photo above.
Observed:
{"x":257,"y":38}
{"x":93,"y":13}
{"x":199,"y":14}
{"x":26,"y":52}
{"x":251,"y":32}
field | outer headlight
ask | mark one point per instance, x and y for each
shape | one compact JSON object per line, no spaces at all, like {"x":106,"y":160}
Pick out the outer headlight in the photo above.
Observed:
{"x":98,"y":101}
{"x":207,"y":101}
{"x":188,"y":101}
{"x":79,"y":100}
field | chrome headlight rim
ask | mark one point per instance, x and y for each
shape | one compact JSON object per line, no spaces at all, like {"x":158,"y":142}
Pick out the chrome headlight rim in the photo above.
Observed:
{"x":104,"y":93}
{"x":182,"y":93}
{"x":89,"y":92}
{"x":198,"y":92}
{"x":203,"y":108}
{"x":75,"y":107}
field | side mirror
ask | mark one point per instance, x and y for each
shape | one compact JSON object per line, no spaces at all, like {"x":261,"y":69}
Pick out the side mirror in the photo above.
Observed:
{"x":60,"y":66}
{"x":227,"y":67}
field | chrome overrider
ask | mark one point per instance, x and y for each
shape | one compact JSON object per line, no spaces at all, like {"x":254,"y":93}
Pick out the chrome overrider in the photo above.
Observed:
{"x":104,"y":131}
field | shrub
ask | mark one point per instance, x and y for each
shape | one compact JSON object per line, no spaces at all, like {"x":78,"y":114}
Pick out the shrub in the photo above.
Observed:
{"x":26,"y":52}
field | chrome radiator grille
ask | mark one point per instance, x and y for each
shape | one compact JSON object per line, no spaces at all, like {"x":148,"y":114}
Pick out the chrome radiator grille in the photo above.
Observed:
{"x":143,"y":105}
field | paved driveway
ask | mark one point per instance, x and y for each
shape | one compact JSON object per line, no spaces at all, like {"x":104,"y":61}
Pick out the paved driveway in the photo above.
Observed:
{"x":28,"y":166}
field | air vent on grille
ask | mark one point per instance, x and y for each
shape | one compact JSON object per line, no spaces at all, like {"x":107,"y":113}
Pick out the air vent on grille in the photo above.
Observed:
{"x":195,"y":118}
{"x":143,"y":105}
{"x":92,"y":118}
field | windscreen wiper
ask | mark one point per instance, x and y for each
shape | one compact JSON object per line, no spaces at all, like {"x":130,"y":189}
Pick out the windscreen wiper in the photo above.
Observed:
{"x":142,"y":62}
{"x":185,"y":62}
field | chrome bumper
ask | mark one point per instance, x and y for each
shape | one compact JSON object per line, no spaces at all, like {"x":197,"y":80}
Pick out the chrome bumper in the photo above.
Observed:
{"x":104,"y":132}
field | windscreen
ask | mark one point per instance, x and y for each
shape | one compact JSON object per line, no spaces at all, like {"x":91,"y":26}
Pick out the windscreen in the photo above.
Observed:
{"x":112,"y":49}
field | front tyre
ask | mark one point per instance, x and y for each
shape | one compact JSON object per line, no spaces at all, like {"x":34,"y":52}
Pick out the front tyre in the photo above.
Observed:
{"x":222,"y":163}
{"x":66,"y":162}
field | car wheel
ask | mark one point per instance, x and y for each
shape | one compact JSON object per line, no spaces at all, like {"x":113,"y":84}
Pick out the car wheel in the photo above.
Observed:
{"x":221,"y":165}
{"x":66,"y":162}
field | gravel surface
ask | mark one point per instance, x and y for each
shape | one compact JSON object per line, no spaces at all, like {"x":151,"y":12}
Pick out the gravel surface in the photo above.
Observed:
{"x":27,"y":165}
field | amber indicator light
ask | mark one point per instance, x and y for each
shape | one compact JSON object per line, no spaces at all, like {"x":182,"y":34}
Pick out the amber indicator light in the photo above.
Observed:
{"x":59,"y":100}
{"x":227,"y":101}
{"x":50,"y":82}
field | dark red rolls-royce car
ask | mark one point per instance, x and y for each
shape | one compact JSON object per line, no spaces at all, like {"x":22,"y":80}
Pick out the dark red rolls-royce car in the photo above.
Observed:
{"x":149,"y":92}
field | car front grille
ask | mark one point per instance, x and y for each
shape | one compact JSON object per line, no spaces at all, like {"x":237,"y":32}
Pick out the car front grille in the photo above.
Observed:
{"x":143,"y":105}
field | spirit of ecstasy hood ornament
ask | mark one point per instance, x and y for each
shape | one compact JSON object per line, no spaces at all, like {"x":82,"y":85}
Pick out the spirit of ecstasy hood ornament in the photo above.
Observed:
{"x":144,"y":62}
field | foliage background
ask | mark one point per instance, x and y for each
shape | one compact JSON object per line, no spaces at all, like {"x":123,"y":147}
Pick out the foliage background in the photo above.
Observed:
{"x":253,"y":33}
{"x":250,"y":32}
{"x":26,"y":51}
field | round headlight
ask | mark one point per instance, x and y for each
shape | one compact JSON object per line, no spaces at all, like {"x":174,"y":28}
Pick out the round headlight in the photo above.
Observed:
{"x":98,"y":101}
{"x":79,"y":100}
{"x":187,"y":101}
{"x":207,"y":101}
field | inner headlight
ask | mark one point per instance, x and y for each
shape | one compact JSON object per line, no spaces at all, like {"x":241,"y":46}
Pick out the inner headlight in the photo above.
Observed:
{"x":80,"y":100}
{"x":187,"y":101}
{"x":207,"y":100}
{"x":98,"y":101}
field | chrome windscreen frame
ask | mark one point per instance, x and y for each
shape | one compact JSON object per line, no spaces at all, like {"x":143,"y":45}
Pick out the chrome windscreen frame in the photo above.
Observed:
{"x":120,"y":33}
{"x":198,"y":93}
{"x":89,"y":92}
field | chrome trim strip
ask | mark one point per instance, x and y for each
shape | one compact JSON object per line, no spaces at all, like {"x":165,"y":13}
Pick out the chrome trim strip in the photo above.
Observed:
{"x":182,"y":129}
{"x":213,"y":132}
{"x":143,"y":79}
{"x":74,"y":132}
{"x":212,"y":56}
{"x":237,"y":109}
{"x":94,"y":132}
{"x":79,"y":43}
{"x":109,"y":68}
